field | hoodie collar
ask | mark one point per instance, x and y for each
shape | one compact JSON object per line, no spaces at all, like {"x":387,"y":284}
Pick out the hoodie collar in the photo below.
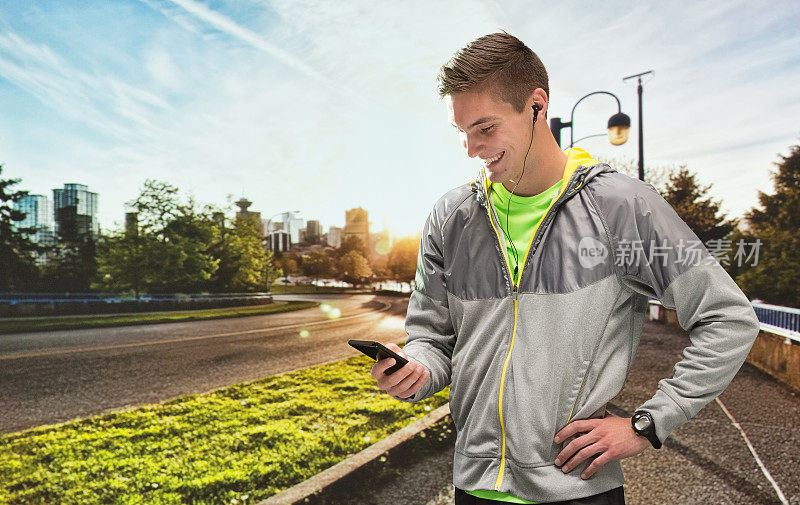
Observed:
{"x":580,"y":168}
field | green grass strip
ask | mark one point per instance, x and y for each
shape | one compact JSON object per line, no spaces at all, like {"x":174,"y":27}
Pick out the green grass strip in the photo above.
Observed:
{"x":235,"y":445}
{"x":104,"y":321}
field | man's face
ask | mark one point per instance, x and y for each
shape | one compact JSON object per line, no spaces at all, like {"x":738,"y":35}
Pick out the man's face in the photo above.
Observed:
{"x":492,"y":131}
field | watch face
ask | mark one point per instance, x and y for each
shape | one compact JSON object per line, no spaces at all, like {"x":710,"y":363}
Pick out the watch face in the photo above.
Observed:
{"x":642,"y":423}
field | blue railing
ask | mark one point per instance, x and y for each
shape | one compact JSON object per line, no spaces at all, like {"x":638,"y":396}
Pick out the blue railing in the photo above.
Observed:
{"x":783,"y":321}
{"x":57,"y":298}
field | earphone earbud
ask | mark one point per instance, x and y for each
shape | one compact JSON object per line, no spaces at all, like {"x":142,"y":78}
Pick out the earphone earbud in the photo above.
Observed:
{"x":535,"y":108}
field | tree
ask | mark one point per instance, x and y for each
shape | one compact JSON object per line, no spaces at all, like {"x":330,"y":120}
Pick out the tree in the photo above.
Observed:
{"x":186,"y":235}
{"x":130,"y":263}
{"x":18,"y":270}
{"x":288,"y":263}
{"x":352,"y":243}
{"x":775,"y":278}
{"x":72,"y":262}
{"x":780,"y":210}
{"x":699,"y":211}
{"x":354,"y":268}
{"x":379,"y":263}
{"x":403,"y":259}
{"x":72,"y":266}
{"x":170,"y":252}
{"x":157,"y":206}
{"x":190,"y":265}
{"x":244,"y":264}
{"x":317,"y":265}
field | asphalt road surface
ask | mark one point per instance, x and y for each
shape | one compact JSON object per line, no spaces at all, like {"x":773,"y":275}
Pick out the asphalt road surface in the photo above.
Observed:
{"x":56,"y":376}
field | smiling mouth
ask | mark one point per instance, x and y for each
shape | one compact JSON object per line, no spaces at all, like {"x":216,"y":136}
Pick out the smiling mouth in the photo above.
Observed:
{"x":493,"y":161}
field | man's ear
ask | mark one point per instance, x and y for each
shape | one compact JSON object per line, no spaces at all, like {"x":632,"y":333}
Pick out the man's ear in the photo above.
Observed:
{"x":539,"y":97}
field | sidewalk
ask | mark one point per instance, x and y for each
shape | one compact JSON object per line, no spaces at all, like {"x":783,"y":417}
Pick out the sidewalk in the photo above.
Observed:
{"x":704,"y":461}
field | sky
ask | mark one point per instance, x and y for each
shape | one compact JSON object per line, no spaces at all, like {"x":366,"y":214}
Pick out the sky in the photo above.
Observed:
{"x":322,"y":106}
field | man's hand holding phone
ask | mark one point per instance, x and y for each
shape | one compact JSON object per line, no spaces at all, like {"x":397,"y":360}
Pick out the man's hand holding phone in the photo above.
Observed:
{"x":405,"y":381}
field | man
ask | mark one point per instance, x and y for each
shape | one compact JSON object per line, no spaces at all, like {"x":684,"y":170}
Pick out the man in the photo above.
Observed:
{"x":531,"y":291}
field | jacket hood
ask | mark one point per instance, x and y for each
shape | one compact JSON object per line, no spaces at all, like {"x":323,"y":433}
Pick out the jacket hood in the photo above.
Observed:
{"x":582,"y":169}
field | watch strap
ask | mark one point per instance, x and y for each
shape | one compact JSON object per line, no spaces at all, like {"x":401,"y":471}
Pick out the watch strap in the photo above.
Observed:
{"x":650,"y":432}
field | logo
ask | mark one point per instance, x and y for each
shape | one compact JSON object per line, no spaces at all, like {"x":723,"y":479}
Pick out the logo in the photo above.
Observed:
{"x":591,"y":252}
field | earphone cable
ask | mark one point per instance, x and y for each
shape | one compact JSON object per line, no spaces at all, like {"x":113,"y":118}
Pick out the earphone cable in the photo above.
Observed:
{"x":508,"y":208}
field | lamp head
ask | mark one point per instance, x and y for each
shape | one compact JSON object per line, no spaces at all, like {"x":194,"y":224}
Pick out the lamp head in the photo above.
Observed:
{"x":619,"y":126}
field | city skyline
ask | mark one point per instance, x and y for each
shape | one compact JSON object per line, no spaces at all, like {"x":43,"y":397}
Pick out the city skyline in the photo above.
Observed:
{"x":276,"y":101}
{"x":42,"y":215}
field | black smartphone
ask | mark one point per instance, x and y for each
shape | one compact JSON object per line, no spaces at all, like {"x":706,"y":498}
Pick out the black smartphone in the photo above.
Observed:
{"x":378,"y":351}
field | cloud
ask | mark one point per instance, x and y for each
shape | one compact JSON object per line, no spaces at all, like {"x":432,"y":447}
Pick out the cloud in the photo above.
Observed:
{"x":227,"y":25}
{"x":109,"y":105}
{"x":163,"y":70}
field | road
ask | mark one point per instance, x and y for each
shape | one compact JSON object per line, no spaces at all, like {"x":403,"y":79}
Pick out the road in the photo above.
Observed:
{"x":57,"y":376}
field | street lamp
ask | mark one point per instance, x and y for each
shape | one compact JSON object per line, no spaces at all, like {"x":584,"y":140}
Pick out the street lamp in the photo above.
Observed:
{"x":641,"y":130}
{"x":618,"y":125}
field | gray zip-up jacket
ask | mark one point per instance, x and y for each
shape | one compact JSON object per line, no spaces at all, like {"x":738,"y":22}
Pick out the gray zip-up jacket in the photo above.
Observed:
{"x":523,"y":361}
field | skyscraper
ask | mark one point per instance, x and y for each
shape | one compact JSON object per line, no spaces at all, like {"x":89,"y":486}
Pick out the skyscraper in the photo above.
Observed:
{"x":313,"y":231}
{"x":38,"y":217}
{"x":356,"y":224}
{"x":75,"y":211}
{"x":334,"y":238}
{"x":293,"y":227}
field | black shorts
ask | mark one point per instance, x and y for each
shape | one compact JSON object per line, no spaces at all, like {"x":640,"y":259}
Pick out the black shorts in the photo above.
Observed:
{"x":611,"y":497}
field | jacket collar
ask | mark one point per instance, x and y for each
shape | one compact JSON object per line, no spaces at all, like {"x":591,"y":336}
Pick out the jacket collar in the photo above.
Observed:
{"x":580,"y":169}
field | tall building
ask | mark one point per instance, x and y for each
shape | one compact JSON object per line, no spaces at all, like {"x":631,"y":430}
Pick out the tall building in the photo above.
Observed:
{"x":286,"y":221}
{"x":278,"y":241}
{"x":38,"y":217}
{"x":356,"y":224}
{"x":313,"y":232}
{"x":335,"y":236}
{"x":294,"y":225}
{"x":75,"y":211}
{"x":283,"y":231}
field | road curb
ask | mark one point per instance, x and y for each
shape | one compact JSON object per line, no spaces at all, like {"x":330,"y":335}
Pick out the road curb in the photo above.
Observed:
{"x":317,"y":483}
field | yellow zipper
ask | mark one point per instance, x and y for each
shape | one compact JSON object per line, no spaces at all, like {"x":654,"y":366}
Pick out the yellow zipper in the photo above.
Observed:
{"x":576,"y":399}
{"x":502,"y":382}
{"x":515,"y":282}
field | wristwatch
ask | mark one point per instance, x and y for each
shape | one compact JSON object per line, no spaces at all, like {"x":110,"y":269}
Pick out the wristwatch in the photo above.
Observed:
{"x":642,"y":423}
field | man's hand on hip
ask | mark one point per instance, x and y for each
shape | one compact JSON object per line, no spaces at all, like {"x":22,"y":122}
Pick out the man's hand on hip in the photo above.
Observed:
{"x":404,"y":382}
{"x":609,"y":439}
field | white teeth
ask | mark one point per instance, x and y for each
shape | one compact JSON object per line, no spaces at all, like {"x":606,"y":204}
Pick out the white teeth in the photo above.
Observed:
{"x":488,"y":161}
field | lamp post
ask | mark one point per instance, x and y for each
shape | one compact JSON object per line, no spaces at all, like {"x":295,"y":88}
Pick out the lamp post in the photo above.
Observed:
{"x":618,"y":125}
{"x":641,"y":129}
